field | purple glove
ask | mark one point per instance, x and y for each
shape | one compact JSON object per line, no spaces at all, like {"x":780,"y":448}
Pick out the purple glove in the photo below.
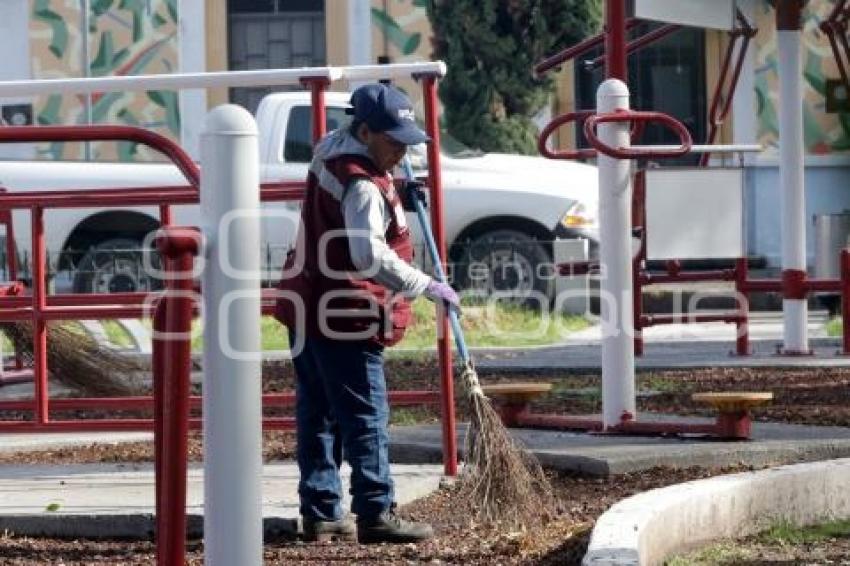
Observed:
{"x":437,"y":291}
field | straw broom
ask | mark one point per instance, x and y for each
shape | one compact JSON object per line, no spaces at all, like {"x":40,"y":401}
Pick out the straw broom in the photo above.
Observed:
{"x":501,"y":482}
{"x":77,"y":361}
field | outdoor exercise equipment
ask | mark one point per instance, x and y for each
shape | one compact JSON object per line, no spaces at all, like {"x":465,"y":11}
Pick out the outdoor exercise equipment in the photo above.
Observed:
{"x":617,"y":125}
{"x":232,"y":395}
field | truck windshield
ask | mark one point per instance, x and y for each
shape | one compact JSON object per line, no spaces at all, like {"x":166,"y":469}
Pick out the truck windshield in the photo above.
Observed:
{"x":298,"y":144}
{"x":449,"y":146}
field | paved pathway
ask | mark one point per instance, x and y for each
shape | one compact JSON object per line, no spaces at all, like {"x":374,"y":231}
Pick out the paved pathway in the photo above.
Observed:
{"x":118,"y":500}
{"x":678,"y":346}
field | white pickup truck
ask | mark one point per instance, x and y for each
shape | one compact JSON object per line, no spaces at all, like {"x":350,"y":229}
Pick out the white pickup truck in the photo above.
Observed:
{"x":500,"y":210}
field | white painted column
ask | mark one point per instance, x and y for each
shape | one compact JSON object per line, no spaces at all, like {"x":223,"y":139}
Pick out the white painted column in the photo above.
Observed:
{"x":193,"y":53}
{"x":615,"y":252}
{"x":360,"y":32}
{"x":359,"y":36}
{"x":15,"y":44}
{"x":792,"y":190}
{"x":233,"y":527}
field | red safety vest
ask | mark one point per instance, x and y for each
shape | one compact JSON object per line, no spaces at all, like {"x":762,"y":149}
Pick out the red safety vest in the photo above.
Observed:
{"x":337,"y":303}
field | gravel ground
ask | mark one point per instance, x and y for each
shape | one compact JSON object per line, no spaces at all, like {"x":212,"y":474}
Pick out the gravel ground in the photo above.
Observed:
{"x":808,"y":396}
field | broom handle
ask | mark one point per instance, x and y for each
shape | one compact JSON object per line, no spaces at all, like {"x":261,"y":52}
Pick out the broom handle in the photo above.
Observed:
{"x":457,"y":331}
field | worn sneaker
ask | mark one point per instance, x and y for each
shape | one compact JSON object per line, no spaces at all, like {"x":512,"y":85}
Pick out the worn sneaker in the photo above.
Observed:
{"x":316,"y":530}
{"x":389,"y":527}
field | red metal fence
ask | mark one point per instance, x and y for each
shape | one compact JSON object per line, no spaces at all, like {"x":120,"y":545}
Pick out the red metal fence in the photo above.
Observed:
{"x":171,"y":310}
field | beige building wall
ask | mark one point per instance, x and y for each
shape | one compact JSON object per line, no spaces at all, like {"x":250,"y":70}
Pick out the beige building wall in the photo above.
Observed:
{"x":217,"y":55}
{"x":336,"y":32}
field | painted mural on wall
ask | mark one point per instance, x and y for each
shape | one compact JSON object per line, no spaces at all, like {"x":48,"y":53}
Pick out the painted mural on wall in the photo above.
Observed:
{"x":825,"y":133}
{"x":402,"y":31}
{"x":125,"y":37}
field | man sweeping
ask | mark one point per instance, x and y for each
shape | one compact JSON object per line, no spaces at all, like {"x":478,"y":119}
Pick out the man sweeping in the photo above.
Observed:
{"x":345,"y":296}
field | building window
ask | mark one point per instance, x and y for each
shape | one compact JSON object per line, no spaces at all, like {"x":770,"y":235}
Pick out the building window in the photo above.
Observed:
{"x":273,"y":34}
{"x":667,"y":76}
{"x":274,"y":6}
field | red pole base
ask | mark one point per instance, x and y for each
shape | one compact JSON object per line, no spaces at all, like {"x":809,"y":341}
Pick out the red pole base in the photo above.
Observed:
{"x":734,"y":426}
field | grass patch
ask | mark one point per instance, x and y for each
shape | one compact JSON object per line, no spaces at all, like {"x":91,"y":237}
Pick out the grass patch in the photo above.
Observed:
{"x":116,"y":334}
{"x":499,"y":325}
{"x":564,"y":389}
{"x":721,"y":553}
{"x":494,"y":325}
{"x":406,"y":416}
{"x":784,"y":532}
{"x":833,"y":326}
{"x":780,"y":534}
{"x":660,"y":385}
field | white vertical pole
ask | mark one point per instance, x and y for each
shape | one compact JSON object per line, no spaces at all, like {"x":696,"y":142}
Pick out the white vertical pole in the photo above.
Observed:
{"x":791,"y":170}
{"x":615,"y":251}
{"x":193,"y":53}
{"x":359,"y":36}
{"x":359,"y":32}
{"x":233,"y":529}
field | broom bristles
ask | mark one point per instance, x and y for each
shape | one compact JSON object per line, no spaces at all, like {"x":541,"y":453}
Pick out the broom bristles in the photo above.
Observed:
{"x":78,"y":362}
{"x":501,"y":481}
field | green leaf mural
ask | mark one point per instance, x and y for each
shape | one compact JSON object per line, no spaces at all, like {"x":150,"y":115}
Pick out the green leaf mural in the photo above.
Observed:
{"x":107,"y":59}
{"x":158,"y":21}
{"x":100,"y":7}
{"x":100,"y":109}
{"x":50,"y":113}
{"x":59,"y":38}
{"x":137,"y":8}
{"x":171,"y":5}
{"x":170,"y":102}
{"x":813,"y":74}
{"x":405,"y":42}
{"x":127,"y":150}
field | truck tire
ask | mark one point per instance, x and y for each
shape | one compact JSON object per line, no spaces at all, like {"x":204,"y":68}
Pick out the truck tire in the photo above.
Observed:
{"x":115,"y":266}
{"x":507,"y":261}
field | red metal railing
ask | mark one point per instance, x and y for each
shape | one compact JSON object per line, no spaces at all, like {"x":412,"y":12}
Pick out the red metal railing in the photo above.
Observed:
{"x":721,"y":100}
{"x":617,"y":50}
{"x":172,"y":312}
{"x":637,"y":152}
{"x":739,"y":275}
{"x":172,"y":366}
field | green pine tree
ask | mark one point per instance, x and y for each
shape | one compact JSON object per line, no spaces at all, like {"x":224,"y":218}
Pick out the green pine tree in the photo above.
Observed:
{"x":490,"y":46}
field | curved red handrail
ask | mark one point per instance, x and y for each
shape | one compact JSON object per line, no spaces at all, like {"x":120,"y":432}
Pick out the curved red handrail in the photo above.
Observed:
{"x":637,"y":131}
{"x":167,"y":147}
{"x":637,"y":117}
{"x":554,"y":125}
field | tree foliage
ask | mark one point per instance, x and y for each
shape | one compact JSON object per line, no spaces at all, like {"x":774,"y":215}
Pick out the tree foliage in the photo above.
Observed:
{"x":490,"y":46}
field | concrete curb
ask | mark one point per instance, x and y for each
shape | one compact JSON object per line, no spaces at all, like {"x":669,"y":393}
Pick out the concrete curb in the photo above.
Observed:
{"x":651,"y":526}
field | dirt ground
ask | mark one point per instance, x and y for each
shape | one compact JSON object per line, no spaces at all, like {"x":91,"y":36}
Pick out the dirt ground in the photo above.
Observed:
{"x":810,"y":396}
{"x":561,"y":542}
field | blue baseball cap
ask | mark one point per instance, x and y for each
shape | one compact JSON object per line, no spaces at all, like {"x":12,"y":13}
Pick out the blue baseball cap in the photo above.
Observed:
{"x":386,"y":109}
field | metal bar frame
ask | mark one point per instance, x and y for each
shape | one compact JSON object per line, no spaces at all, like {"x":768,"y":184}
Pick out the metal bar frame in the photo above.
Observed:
{"x":171,"y":361}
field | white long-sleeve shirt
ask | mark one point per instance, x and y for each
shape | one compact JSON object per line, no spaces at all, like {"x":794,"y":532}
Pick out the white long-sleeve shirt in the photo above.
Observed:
{"x":367,"y":217}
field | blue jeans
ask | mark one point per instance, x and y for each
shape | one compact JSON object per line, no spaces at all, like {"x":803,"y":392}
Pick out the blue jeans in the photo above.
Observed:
{"x":341,"y":408}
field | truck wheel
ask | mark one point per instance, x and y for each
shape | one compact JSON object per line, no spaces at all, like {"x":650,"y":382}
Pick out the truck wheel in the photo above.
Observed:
{"x":115,"y":266}
{"x":506,"y":261}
